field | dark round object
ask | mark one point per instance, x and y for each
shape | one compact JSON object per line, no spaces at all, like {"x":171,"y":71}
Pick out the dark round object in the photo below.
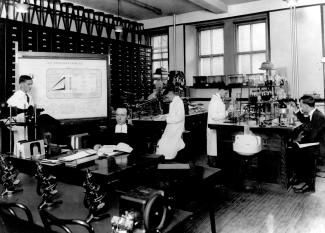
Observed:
{"x":155,"y":213}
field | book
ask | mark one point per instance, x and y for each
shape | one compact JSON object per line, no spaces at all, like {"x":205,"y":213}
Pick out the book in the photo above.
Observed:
{"x":114,"y":150}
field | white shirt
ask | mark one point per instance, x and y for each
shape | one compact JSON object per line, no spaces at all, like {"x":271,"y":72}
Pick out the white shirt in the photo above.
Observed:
{"x":310,"y":114}
{"x":19,"y":100}
{"x":121,"y":128}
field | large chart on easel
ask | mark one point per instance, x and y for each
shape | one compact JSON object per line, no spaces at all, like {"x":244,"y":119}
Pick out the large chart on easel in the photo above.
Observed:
{"x":67,"y":86}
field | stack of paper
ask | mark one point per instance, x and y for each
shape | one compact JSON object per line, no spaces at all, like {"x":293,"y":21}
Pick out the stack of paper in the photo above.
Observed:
{"x":51,"y":162}
{"x":79,"y":157}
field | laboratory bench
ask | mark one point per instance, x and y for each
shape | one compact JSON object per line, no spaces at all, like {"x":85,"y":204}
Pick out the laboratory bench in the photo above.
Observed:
{"x":274,"y":170}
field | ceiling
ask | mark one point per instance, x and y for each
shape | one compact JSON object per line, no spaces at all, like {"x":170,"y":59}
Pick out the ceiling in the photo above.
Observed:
{"x":148,"y":9}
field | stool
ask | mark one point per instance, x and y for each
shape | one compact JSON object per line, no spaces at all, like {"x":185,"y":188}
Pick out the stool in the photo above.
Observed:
{"x":246,"y":162}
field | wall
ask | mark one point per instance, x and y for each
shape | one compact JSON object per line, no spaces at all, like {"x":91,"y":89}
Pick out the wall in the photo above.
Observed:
{"x":233,"y":10}
{"x":309,"y":40}
{"x":309,"y":33}
{"x":191,"y":60}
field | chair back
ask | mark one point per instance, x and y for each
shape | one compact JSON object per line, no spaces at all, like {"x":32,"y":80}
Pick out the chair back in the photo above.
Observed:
{"x":9,"y":209}
{"x":51,"y":221}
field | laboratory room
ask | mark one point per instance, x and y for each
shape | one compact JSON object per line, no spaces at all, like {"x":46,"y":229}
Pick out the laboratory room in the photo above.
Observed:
{"x":178,"y":116}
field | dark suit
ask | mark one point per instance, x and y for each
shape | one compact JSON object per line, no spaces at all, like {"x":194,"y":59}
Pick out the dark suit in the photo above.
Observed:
{"x":313,"y":131}
{"x":112,"y":138}
{"x":304,"y":159}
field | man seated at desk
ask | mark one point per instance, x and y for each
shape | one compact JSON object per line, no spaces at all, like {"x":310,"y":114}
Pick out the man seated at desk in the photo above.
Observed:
{"x":312,"y":130}
{"x":121,"y":132}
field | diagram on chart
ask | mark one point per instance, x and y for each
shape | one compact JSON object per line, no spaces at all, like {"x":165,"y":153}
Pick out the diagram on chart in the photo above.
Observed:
{"x":70,"y":83}
{"x":63,"y":84}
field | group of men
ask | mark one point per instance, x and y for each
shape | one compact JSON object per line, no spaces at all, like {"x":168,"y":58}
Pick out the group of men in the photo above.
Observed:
{"x":169,"y":144}
{"x":303,"y":159}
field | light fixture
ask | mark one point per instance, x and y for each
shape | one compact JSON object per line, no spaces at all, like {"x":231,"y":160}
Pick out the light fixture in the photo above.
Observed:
{"x":294,"y":48}
{"x":22,"y":7}
{"x":291,"y":3}
{"x":118,"y":27}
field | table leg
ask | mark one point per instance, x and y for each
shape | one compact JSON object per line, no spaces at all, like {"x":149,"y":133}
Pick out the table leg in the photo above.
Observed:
{"x":211,"y":211}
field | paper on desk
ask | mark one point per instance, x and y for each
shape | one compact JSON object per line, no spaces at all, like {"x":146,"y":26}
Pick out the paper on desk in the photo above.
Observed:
{"x":78,"y":155}
{"x":107,"y":150}
{"x":111,"y":150}
{"x":303,"y":145}
{"x":123,"y":147}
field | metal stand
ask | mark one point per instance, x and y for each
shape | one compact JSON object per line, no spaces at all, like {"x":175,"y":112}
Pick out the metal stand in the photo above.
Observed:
{"x":94,"y":200}
{"x":46,"y":188}
{"x":8,"y":178}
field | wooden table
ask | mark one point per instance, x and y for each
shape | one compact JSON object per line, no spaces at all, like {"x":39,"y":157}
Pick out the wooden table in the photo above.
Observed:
{"x":72,"y":207}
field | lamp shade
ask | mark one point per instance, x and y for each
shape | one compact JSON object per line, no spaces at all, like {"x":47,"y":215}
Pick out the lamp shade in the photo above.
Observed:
{"x":267,"y":65}
{"x":22,"y":7}
{"x":118,"y":28}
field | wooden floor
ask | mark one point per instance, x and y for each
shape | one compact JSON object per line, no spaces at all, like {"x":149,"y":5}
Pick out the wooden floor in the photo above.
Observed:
{"x":268,"y":212}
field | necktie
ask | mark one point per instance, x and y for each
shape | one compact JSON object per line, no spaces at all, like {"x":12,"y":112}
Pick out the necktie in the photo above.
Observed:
{"x":27,"y":98}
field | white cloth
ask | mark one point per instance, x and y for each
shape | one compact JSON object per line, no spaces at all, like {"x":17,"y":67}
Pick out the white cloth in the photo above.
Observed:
{"x":216,"y":112}
{"x":121,"y":128}
{"x":19,"y":100}
{"x":171,"y":141}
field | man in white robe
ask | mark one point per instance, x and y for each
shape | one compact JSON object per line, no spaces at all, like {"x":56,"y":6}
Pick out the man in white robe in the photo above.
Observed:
{"x":21,"y":99}
{"x":171,"y":141}
{"x":216,"y":113}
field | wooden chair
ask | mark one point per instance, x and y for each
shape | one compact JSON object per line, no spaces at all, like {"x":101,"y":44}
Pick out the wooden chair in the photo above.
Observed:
{"x":51,"y":221}
{"x":9,"y":209}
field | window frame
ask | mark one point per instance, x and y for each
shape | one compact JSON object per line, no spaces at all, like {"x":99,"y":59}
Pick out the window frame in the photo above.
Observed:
{"x":266,"y":51}
{"x":211,"y":56}
{"x":161,"y":59}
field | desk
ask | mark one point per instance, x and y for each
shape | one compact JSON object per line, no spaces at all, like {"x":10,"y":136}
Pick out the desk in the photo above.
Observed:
{"x":100,"y":168}
{"x":200,"y":181}
{"x":72,"y":207}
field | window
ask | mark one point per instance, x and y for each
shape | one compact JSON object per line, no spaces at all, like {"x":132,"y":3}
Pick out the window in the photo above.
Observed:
{"x":251,"y":47}
{"x":211,"y":52}
{"x":159,"y":51}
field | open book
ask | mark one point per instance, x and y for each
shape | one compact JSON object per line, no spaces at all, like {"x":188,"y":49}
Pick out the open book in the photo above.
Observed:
{"x":111,"y":150}
{"x":303,"y":145}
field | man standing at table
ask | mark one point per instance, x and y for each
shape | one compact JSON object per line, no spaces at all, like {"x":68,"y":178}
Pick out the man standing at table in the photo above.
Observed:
{"x":171,"y":141}
{"x":21,"y":99}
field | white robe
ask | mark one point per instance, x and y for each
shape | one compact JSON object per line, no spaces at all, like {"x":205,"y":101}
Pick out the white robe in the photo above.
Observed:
{"x":171,"y":141}
{"x":216,"y":112}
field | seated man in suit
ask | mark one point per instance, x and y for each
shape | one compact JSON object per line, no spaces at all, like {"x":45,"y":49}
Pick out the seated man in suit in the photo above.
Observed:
{"x":121,"y":132}
{"x":312,"y":130}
